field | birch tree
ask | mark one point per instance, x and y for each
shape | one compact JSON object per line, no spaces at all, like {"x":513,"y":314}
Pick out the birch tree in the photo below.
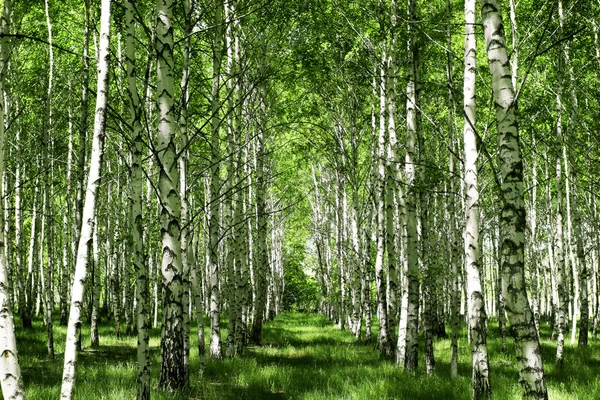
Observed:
{"x":213,"y":210}
{"x":384,"y":340}
{"x":477,"y":316}
{"x":172,"y":372}
{"x":89,"y":207}
{"x":139,"y":259}
{"x":10,"y":372}
{"x":512,"y":216}
{"x":407,"y":353}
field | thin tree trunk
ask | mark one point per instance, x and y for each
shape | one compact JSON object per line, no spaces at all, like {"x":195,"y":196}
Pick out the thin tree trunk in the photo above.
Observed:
{"x":580,"y":270}
{"x":561,"y":286}
{"x":94,"y":337}
{"x":67,"y":255}
{"x":561,"y":275}
{"x":232,"y":304}
{"x":481,"y":384}
{"x":392,"y":173}
{"x":183,"y":190}
{"x":23,"y":276}
{"x":47,"y":263}
{"x":260,"y":269}
{"x":454,"y":235}
{"x":10,"y":379}
{"x":213,"y":211}
{"x":89,"y":209}
{"x":31,"y":277}
{"x":83,"y":128}
{"x":384,"y":340}
{"x":408,"y":339}
{"x":137,"y":181}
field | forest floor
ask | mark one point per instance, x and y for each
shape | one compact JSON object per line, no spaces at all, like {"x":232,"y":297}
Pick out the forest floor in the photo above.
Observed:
{"x":303,"y":356}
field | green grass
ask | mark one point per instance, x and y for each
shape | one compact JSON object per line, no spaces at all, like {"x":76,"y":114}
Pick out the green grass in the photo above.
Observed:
{"x":302,"y":357}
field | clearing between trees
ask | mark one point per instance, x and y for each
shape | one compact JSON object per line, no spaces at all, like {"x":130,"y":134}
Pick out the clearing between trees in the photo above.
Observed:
{"x":303,"y":356}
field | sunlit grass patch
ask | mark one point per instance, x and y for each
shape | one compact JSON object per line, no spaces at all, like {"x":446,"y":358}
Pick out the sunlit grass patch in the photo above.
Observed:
{"x":303,"y":356}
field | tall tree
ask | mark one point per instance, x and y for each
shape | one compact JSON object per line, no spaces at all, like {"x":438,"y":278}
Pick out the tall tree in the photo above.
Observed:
{"x":139,"y":258}
{"x":172,"y":372}
{"x":383,"y":339}
{"x":89,"y":207}
{"x":408,"y":339}
{"x":512,"y":217}
{"x":482,"y":388}
{"x":213,"y":210}
{"x":10,"y":372}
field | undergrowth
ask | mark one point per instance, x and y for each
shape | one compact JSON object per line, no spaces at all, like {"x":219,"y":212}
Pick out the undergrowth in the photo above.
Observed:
{"x":303,"y":356}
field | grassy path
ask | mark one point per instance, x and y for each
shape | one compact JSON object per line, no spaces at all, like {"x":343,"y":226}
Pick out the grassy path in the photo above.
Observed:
{"x":302,"y":357}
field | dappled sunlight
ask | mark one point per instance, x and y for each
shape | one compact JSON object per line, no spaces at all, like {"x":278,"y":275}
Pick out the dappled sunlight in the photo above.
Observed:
{"x":304,"y":356}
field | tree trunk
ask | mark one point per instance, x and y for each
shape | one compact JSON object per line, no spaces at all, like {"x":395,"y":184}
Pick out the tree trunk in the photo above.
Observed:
{"x":213,"y":211}
{"x":481,"y":385}
{"x":67,"y":254}
{"x":172,"y":373}
{"x":137,"y":181}
{"x":183,"y":185}
{"x":453,"y":225}
{"x":392,"y":173}
{"x":89,"y":209}
{"x":10,"y":379}
{"x":260,"y":268}
{"x":83,"y":128}
{"x":512,"y":217}
{"x":408,"y":339}
{"x":384,"y":340}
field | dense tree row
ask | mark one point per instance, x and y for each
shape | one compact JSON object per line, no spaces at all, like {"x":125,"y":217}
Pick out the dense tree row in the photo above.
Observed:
{"x":234,"y":140}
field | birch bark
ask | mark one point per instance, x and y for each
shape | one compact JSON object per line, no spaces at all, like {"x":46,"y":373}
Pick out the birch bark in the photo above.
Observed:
{"x":481,"y":385}
{"x":173,"y":375}
{"x":89,"y":207}
{"x":407,"y":354}
{"x":213,"y":211}
{"x":512,"y":216}
{"x":10,"y":372}
{"x":137,"y":181}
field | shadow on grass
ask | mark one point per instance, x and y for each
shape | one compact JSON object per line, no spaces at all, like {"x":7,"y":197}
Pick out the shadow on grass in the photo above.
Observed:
{"x":302,"y":357}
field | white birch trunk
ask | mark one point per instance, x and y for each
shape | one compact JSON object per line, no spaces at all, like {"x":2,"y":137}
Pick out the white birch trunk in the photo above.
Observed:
{"x":228,"y":212}
{"x":213,"y":211}
{"x":47,"y":262}
{"x":407,"y":354}
{"x":67,"y":254}
{"x":453,"y":225}
{"x":83,"y":128}
{"x":137,"y":181}
{"x":183,"y":190}
{"x":10,"y":372}
{"x":89,"y":208}
{"x":172,"y":373}
{"x":481,"y":385}
{"x":384,"y":340}
{"x":512,"y":217}
{"x":392,"y":174}
{"x":260,"y":268}
{"x":561,"y":284}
